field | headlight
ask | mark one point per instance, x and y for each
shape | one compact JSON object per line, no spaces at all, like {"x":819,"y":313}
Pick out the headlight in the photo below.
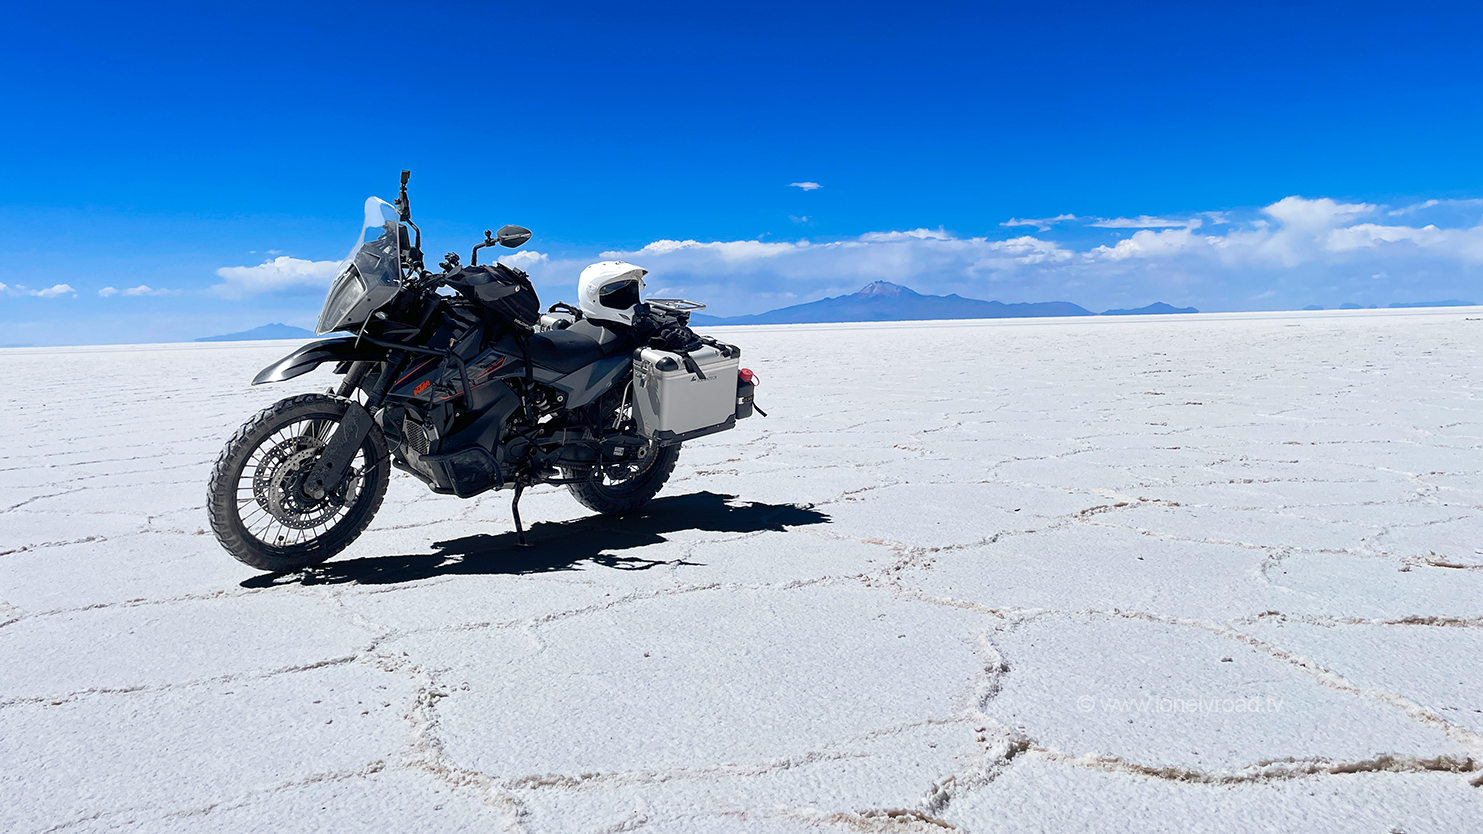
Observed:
{"x":347,"y":290}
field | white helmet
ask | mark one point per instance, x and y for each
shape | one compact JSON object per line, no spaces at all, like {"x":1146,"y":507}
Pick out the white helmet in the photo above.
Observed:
{"x":609,"y":291}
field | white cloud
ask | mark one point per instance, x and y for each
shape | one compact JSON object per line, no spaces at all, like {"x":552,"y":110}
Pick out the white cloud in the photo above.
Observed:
{"x":1305,"y":251}
{"x":1425,"y":205}
{"x":1144,"y":221}
{"x":1022,"y":250}
{"x":1302,"y":231}
{"x":1147,"y":244}
{"x":1414,"y":207}
{"x":1363,"y":235}
{"x":1291,"y":253}
{"x":742,"y":276}
{"x":914,"y":234}
{"x":142,"y":289}
{"x":1041,"y":223}
{"x":803,"y":219}
{"x":1462,"y":244}
{"x":731,"y":250}
{"x":524,"y":259}
{"x":806,"y":186}
{"x":54,"y":291}
{"x":279,"y":274}
{"x":1323,"y":213}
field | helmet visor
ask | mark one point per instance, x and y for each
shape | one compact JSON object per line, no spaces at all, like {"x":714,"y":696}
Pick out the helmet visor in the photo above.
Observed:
{"x":619,"y":296}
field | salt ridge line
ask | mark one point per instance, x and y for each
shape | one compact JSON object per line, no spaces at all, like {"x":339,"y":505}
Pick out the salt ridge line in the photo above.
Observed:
{"x":347,"y":593}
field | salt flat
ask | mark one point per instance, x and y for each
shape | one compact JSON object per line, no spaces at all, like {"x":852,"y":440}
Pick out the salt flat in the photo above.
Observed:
{"x":1195,"y":573}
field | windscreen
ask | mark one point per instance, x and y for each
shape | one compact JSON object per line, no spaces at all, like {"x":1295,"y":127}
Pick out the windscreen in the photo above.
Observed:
{"x":377,"y":254}
{"x":370,"y":275}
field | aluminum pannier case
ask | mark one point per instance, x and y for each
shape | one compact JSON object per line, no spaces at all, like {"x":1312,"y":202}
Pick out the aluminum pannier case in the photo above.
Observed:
{"x":675,"y":399}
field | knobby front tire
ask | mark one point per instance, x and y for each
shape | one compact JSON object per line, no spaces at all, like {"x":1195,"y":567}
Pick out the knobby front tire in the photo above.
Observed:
{"x":255,"y":507}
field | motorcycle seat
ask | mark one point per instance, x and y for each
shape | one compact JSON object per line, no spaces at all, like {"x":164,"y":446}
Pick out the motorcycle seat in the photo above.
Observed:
{"x":564,"y":351}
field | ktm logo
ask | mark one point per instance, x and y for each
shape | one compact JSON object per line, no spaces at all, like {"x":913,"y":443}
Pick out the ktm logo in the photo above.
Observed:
{"x":423,"y":386}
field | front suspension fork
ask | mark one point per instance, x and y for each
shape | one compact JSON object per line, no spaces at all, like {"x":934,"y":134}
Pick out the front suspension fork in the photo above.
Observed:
{"x":332,"y":467}
{"x":353,"y":378}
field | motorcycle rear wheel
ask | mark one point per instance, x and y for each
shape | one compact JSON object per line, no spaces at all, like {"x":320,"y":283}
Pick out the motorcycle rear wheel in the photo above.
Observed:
{"x":257,"y":509}
{"x":621,"y":488}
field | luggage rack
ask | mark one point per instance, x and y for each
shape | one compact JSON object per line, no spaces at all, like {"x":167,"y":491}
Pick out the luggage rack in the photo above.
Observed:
{"x":675,"y":305}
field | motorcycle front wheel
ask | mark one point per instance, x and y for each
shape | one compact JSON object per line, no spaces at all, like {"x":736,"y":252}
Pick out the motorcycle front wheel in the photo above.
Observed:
{"x":256,"y":502}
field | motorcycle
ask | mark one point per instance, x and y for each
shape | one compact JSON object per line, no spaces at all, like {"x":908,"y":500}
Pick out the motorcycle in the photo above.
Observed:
{"x":457,"y":378}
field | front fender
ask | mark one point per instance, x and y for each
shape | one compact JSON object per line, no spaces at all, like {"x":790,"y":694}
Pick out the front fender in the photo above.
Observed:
{"x":314,"y":354}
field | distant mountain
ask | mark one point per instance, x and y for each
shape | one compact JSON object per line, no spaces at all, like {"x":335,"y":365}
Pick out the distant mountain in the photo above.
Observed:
{"x":1314,"y":307}
{"x":884,"y":301}
{"x":267,"y":331}
{"x":1449,"y":303}
{"x":1156,"y":308}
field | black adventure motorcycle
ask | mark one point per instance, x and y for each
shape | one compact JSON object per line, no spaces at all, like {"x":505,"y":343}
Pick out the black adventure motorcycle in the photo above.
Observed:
{"x":456,"y":378}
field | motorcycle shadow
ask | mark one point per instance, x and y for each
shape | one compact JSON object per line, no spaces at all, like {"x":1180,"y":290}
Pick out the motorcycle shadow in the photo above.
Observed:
{"x":562,"y":545}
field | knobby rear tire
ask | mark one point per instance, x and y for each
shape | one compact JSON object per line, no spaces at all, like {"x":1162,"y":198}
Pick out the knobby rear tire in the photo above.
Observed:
{"x":626,"y":496}
{"x":222,"y":502}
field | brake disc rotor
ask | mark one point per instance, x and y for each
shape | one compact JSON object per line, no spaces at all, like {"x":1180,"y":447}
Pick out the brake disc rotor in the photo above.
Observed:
{"x":278,"y":485}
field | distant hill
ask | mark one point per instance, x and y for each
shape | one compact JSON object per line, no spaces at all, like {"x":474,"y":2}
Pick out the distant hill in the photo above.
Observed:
{"x":1449,"y":303}
{"x":1154,"y":309}
{"x":267,"y":331}
{"x":884,"y":301}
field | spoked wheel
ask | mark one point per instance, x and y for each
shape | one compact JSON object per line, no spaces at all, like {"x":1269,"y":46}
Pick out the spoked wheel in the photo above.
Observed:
{"x":621,"y":487}
{"x":256,"y":501}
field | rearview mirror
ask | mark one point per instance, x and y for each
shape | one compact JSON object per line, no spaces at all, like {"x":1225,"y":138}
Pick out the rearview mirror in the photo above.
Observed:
{"x":512,"y":236}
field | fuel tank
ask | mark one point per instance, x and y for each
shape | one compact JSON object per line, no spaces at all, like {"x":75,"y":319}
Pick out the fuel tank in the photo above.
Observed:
{"x":580,"y":363}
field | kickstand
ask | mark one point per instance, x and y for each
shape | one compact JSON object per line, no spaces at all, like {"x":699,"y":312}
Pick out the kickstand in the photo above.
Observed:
{"x":515,"y":510}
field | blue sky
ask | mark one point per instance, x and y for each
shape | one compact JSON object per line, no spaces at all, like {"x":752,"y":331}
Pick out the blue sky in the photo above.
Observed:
{"x":208,"y":164}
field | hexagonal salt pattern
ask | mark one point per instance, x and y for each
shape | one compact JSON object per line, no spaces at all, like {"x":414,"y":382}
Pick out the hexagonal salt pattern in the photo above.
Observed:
{"x":1186,"y":573}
